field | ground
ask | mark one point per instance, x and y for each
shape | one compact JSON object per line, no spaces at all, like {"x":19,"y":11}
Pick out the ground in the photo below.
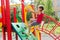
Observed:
{"x":44,"y":36}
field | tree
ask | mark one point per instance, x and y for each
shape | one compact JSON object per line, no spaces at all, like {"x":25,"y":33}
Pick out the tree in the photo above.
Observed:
{"x":48,"y":7}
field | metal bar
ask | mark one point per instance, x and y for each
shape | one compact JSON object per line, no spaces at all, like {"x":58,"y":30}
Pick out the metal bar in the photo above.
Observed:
{"x":53,"y":29}
{"x":15,"y":20}
{"x":3,"y":32}
{"x":23,"y":17}
{"x":8,"y":22}
{"x":3,"y":19}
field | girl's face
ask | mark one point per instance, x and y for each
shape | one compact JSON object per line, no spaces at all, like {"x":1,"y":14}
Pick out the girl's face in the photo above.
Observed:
{"x":39,"y":9}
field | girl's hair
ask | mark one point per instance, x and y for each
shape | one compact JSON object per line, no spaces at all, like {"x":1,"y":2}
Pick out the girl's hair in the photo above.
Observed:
{"x":41,"y":6}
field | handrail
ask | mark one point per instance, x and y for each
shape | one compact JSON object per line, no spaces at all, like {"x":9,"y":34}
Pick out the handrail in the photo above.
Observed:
{"x":52,"y":19}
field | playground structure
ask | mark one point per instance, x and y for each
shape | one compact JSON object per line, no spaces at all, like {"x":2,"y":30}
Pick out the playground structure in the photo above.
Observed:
{"x":6,"y":24}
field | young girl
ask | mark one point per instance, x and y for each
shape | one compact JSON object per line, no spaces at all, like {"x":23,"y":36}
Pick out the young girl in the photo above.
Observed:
{"x":39,"y":16}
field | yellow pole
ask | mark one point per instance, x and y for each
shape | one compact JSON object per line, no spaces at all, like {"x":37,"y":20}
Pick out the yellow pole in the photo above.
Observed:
{"x":38,"y":34}
{"x":0,"y":18}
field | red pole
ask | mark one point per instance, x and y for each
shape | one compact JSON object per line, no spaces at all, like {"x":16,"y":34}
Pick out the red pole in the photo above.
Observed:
{"x":3,"y":19}
{"x":16,"y":37}
{"x":8,"y":22}
{"x":4,"y":35}
{"x":22,"y":3}
{"x":3,"y":11}
{"x":15,"y":20}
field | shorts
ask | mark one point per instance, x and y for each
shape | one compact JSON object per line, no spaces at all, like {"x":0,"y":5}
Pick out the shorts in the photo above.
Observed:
{"x":34,"y":23}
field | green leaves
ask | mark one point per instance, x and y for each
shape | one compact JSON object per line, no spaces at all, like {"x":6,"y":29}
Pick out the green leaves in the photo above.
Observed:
{"x":48,"y":7}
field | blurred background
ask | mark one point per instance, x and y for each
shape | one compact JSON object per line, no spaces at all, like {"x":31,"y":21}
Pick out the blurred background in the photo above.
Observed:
{"x":51,"y":8}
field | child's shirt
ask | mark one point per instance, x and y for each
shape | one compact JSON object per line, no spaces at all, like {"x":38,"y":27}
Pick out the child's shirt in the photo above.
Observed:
{"x":40,"y":17}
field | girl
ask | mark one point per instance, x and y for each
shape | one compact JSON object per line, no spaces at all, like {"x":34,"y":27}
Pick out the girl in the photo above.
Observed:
{"x":39,"y":16}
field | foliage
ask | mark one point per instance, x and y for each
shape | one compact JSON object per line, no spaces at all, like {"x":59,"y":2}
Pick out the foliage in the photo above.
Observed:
{"x":12,"y":16}
{"x":12,"y":13}
{"x":48,"y":7}
{"x":29,"y":15}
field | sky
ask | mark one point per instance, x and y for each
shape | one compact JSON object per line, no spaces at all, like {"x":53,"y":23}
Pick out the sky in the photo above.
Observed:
{"x":17,"y":1}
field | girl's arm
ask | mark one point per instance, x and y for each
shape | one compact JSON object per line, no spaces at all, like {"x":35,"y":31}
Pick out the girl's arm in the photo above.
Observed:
{"x":30,"y":10}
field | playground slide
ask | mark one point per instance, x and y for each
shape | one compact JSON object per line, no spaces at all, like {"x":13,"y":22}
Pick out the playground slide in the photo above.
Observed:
{"x":22,"y":31}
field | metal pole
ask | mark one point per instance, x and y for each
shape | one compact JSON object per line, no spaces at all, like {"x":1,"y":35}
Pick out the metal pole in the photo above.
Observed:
{"x":15,"y":20}
{"x":3,"y":19}
{"x":23,"y":17}
{"x":8,"y":20}
{"x":4,"y":34}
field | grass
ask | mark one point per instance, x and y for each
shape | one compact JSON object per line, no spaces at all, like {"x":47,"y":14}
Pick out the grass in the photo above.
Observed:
{"x":50,"y":26}
{"x":0,"y":29}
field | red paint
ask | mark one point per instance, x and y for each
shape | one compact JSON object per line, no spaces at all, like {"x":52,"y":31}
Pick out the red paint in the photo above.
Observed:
{"x":15,"y":20}
{"x":0,"y":19}
{"x":23,"y":17}
{"x":8,"y":22}
{"x":3,"y":19}
{"x":4,"y":35}
{"x":16,"y":37}
{"x":3,"y":11}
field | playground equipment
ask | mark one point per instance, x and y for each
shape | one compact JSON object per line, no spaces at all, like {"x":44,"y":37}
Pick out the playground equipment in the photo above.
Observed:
{"x":0,"y":18}
{"x":6,"y":24}
{"x":22,"y":31}
{"x":33,"y":16}
{"x":26,"y":22}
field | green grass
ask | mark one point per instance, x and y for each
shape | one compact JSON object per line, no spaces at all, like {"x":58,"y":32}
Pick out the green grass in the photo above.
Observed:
{"x":0,"y":29}
{"x":57,"y":31}
{"x":50,"y":26}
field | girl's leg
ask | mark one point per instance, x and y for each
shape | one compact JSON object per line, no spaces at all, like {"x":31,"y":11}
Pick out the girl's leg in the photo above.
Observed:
{"x":31,"y":23}
{"x":32,"y":19}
